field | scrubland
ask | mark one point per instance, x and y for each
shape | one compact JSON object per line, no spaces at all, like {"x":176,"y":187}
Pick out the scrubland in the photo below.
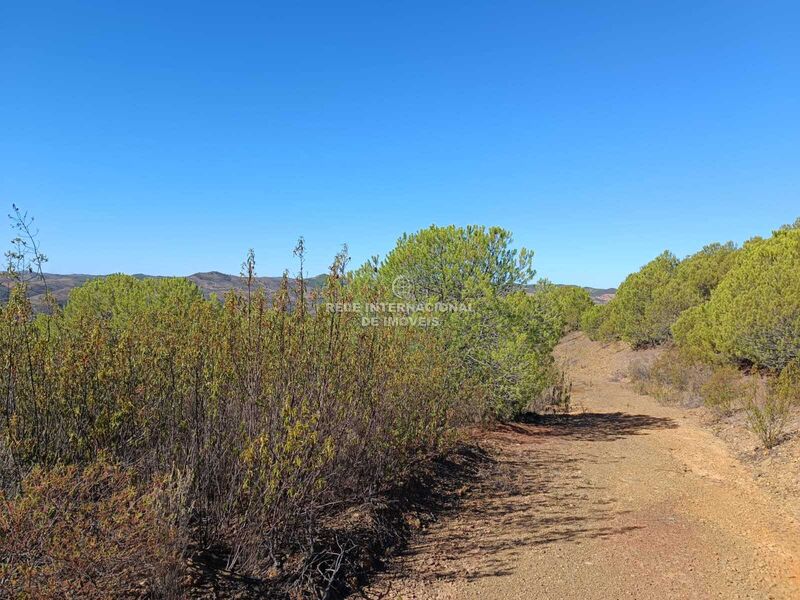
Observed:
{"x":156,"y":443}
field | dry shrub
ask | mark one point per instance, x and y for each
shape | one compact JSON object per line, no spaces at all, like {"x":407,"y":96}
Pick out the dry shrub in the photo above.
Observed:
{"x":671,"y":377}
{"x":87,"y":533}
{"x":263,"y":417}
{"x":557,"y":397}
{"x":768,"y":410}
{"x":266,"y":419}
{"x":788,"y":382}
{"x":723,"y":390}
{"x":770,"y":401}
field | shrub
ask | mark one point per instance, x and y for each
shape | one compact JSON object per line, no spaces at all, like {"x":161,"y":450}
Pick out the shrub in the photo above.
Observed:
{"x":723,"y":390}
{"x":455,"y":263}
{"x":631,"y":311}
{"x":277,"y":414}
{"x":753,"y":316}
{"x":788,"y":383}
{"x":500,"y":348}
{"x":768,"y":411}
{"x":557,"y":396}
{"x":598,"y":323}
{"x":648,"y":302}
{"x":569,"y":302}
{"x":670,"y":377}
{"x":88,"y":533}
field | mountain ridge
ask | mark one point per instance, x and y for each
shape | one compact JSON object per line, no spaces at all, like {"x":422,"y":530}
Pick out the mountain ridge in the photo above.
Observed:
{"x":209,"y":282}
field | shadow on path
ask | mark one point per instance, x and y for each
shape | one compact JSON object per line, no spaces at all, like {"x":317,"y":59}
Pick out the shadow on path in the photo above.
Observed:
{"x":590,"y":427}
{"x":536,"y":495}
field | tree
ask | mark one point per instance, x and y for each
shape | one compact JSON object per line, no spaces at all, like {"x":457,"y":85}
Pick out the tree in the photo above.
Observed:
{"x":569,"y":302}
{"x":119,"y":298}
{"x":455,"y":263}
{"x":753,"y":316}
{"x":500,"y":347}
{"x":633,"y":312}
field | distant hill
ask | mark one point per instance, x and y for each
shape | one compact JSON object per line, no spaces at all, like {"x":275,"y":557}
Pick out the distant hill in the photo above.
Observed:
{"x":212,"y":282}
{"x":601,"y":295}
{"x":598,"y":295}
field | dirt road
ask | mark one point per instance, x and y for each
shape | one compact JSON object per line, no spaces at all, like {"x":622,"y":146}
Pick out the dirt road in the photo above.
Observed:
{"x":625,"y":498}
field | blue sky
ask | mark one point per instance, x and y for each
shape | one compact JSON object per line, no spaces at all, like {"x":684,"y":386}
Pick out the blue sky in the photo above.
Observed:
{"x":169,"y":137}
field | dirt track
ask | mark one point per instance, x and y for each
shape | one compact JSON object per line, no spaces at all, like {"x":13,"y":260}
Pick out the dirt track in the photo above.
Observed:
{"x":625,"y":498}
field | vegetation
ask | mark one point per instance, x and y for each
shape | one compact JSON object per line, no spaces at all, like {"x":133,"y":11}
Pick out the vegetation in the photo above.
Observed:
{"x":767,"y":411}
{"x":498,"y":339}
{"x":671,"y":377}
{"x":569,"y":301}
{"x":726,"y":309}
{"x":723,"y":389}
{"x":147,"y":425}
{"x":649,"y":301}
{"x":753,"y":317}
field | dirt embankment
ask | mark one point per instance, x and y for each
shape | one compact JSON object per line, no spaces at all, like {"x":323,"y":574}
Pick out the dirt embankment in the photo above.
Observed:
{"x":624,"y":498}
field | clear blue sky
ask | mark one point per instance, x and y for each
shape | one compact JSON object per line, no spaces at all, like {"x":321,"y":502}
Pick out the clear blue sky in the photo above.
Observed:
{"x":169,"y":137}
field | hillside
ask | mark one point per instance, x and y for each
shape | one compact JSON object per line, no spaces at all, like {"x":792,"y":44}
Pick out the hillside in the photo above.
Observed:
{"x":598,"y":295}
{"x":211,"y":282}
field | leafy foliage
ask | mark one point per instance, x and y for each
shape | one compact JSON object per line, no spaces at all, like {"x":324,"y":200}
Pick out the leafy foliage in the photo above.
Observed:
{"x":457,"y":263}
{"x":634,"y":313}
{"x":648,"y":302}
{"x":569,"y":301}
{"x":500,"y":346}
{"x":753,"y":316}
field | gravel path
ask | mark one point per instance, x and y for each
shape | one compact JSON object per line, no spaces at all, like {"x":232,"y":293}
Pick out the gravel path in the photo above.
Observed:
{"x":624,"y":498}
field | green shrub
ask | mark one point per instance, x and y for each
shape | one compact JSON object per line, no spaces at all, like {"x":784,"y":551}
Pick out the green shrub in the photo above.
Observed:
{"x":598,"y":323}
{"x":455,"y":263}
{"x":753,"y":316}
{"x":501,"y":348}
{"x":648,"y":302}
{"x":635,"y":316}
{"x":569,"y":302}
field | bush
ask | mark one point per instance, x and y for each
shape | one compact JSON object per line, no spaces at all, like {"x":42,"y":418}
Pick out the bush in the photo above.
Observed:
{"x":634,"y":313}
{"x":88,"y":533}
{"x":723,"y":390}
{"x":648,"y":302}
{"x":788,"y":383}
{"x":671,"y":377}
{"x":569,"y":302}
{"x":768,"y":411}
{"x":501,"y":347}
{"x":277,"y":414}
{"x":598,"y":323}
{"x":753,"y":316}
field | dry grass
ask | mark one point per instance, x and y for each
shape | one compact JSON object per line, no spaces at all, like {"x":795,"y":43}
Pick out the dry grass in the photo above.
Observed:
{"x":670,"y":377}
